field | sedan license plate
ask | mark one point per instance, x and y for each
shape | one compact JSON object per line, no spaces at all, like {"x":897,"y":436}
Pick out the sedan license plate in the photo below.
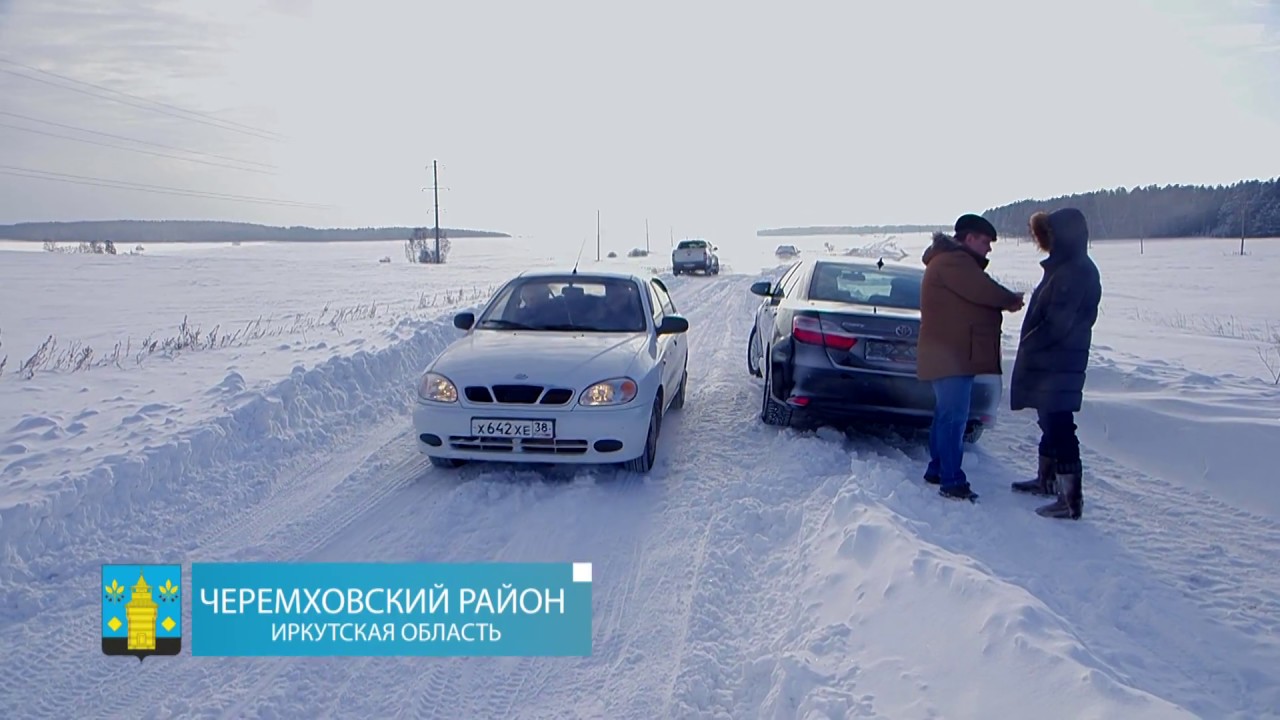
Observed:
{"x":893,"y":352}
{"x":505,"y":428}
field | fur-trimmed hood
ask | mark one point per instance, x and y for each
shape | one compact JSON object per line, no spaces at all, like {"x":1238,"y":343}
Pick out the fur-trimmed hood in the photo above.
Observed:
{"x":944,"y":243}
{"x":1064,"y":234}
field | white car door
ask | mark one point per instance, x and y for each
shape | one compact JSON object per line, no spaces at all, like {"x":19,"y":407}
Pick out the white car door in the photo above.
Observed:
{"x":672,"y":348}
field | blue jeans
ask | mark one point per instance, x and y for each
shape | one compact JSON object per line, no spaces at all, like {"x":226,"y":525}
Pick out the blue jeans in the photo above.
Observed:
{"x":952,"y":396}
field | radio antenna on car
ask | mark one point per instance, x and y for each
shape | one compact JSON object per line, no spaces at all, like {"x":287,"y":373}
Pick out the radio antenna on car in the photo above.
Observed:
{"x":580,"y":249}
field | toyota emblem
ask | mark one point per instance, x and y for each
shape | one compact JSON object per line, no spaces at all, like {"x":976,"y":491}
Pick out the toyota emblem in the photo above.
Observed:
{"x":903,"y":331}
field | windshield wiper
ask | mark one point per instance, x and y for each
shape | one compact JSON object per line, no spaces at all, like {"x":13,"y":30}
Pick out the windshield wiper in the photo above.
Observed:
{"x":509,"y":324}
{"x":590,"y":328}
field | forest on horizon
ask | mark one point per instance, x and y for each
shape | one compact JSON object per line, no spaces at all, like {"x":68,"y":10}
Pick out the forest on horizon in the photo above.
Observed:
{"x":1245,"y":209}
{"x":1249,"y":208}
{"x":161,"y":231}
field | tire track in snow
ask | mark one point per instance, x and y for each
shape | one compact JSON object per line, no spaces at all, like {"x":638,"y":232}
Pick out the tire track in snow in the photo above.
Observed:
{"x":622,"y":639}
{"x":750,"y":525}
{"x":350,"y":494}
{"x":629,"y":639}
{"x":472,"y":684}
{"x":718,"y":472}
{"x":346,"y":528}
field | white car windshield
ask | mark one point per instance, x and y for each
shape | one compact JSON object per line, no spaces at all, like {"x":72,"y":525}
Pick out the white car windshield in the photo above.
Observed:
{"x":578,"y":303}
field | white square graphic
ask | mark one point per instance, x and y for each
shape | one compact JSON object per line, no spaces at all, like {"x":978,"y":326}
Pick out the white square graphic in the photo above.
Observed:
{"x":582,"y":572}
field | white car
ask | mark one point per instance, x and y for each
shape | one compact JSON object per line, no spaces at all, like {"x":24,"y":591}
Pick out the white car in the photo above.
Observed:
{"x":557,"y":368}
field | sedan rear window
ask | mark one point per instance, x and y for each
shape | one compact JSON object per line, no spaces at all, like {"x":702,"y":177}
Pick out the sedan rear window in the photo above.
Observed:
{"x":833,"y":282}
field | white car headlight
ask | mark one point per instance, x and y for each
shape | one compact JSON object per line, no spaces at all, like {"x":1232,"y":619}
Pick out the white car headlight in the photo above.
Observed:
{"x":610,"y":392}
{"x":437,"y":388}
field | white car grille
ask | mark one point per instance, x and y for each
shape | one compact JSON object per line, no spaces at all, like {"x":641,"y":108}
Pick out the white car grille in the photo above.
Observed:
{"x":517,"y":445}
{"x":518,"y":394}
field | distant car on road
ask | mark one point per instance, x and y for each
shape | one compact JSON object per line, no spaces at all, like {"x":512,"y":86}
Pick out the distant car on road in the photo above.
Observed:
{"x":786,"y":251}
{"x":557,"y":368}
{"x":835,"y":341}
{"x":694,"y":255}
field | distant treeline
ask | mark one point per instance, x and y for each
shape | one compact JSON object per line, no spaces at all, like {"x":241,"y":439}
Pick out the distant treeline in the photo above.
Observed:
{"x":851,"y":230}
{"x":161,"y":231}
{"x":1250,"y":208}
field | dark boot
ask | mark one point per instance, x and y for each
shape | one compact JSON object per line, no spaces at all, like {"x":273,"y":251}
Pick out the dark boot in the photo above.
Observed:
{"x":1044,"y":482}
{"x":1070,"y":502}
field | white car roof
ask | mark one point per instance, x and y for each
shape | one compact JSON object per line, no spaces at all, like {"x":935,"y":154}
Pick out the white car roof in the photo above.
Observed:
{"x":587,"y":275}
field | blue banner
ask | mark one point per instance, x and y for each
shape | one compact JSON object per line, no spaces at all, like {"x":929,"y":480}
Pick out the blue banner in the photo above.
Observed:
{"x":386,"y":609}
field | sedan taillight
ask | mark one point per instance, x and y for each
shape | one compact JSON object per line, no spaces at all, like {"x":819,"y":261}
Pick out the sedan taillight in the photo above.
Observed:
{"x":813,"y":331}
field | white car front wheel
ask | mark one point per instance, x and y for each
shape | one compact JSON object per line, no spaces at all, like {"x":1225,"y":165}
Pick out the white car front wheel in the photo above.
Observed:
{"x":754,"y":352}
{"x":644,"y":463}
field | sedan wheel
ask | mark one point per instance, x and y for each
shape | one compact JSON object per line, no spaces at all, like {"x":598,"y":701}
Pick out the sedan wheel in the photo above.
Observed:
{"x":753,"y":353}
{"x":644,"y":463}
{"x":773,"y":412}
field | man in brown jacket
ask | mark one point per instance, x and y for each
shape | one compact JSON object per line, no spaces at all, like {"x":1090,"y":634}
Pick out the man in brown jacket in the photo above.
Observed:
{"x":960,"y":321}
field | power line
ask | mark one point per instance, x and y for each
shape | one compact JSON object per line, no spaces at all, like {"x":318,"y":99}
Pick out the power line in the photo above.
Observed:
{"x":134,"y":140}
{"x":179,"y":192}
{"x":255,"y":133}
{"x":140,"y":187}
{"x":137,"y":150}
{"x":136,"y":97}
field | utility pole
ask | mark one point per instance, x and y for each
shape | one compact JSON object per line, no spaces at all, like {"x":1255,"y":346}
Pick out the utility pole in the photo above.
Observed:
{"x":1243,"y":212}
{"x":646,"y":236}
{"x":435,"y":186}
{"x":597,"y":236}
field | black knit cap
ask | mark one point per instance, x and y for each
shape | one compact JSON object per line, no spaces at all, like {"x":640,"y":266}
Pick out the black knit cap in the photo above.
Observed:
{"x":975,"y":223}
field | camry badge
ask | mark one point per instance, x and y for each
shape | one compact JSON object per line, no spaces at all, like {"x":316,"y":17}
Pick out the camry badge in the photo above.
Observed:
{"x":522,"y":376}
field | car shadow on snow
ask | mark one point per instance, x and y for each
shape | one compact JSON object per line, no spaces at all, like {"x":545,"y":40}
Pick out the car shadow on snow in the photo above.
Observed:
{"x":907,"y":438}
{"x":542,"y":473}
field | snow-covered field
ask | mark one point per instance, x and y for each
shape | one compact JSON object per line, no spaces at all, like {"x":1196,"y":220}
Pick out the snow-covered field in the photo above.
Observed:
{"x":754,"y":573}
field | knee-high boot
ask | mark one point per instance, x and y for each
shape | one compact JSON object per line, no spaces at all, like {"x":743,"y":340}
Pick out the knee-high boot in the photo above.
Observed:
{"x":1070,"y":502}
{"x":1043,"y":484}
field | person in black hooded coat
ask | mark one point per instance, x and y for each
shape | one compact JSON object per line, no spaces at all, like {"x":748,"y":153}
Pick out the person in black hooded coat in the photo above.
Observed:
{"x":1053,"y":354}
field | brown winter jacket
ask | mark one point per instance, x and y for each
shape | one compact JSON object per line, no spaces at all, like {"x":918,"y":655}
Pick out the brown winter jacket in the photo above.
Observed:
{"x":960,"y":313}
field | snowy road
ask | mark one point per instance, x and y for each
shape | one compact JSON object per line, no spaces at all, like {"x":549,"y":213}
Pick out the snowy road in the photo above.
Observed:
{"x":754,"y":573}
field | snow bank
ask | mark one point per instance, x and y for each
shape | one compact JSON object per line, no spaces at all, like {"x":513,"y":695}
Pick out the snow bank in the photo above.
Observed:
{"x":872,"y":585}
{"x":155,"y":501}
{"x":1204,"y":434}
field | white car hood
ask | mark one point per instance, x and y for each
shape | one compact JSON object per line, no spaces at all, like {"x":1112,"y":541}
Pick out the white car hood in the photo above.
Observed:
{"x":567,"y":359}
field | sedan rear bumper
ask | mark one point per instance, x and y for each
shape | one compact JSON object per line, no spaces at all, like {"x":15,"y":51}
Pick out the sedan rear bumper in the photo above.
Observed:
{"x":699,"y":265}
{"x":860,"y":395}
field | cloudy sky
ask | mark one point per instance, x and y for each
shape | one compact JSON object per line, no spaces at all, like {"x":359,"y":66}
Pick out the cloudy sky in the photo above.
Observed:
{"x":706,"y":118}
